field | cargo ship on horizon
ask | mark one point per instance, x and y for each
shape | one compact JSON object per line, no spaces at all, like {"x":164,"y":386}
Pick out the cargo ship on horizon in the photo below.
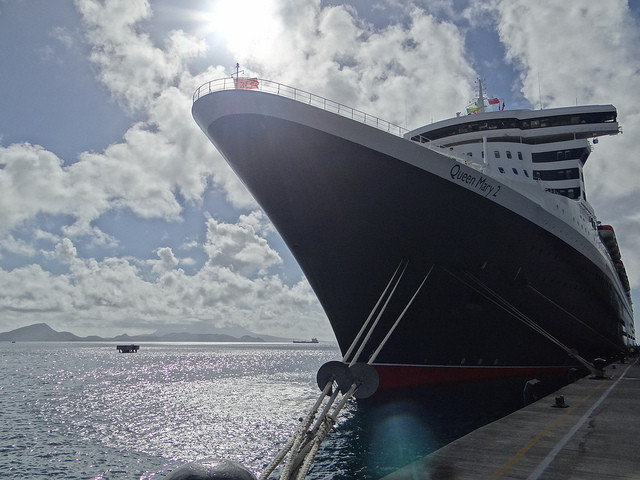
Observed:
{"x":466,"y":248}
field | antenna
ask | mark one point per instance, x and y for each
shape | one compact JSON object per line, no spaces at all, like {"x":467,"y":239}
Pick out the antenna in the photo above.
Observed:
{"x":238,"y":71}
{"x":406,"y":114}
{"x":539,"y":92}
{"x":480,"y":97}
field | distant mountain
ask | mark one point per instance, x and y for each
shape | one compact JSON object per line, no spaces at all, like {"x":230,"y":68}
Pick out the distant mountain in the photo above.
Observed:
{"x":203,"y":329}
{"x":41,"y":332}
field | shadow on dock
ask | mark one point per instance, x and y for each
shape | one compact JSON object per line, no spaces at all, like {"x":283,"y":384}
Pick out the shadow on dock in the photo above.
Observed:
{"x":395,"y":428}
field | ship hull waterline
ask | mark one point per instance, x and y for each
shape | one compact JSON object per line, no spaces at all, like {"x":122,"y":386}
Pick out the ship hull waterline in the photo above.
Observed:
{"x":351,"y":210}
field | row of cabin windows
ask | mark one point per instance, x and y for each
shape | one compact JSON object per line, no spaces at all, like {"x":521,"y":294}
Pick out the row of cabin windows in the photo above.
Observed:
{"x":496,"y":154}
{"x":508,"y":123}
{"x":515,"y":171}
{"x":565,"y":174}
{"x":561,"y":155}
{"x":548,"y":175}
{"x":572,"y":193}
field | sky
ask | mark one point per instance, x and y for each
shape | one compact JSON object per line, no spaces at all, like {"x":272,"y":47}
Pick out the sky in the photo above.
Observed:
{"x":118,"y":215}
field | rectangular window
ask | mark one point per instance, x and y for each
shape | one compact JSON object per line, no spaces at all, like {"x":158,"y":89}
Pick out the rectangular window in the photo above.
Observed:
{"x":562,"y":155}
{"x":565,"y":174}
{"x":501,"y":170}
{"x":496,"y":154}
{"x":525,"y":173}
{"x":508,"y":154}
{"x":519,"y":155}
{"x":515,"y":171}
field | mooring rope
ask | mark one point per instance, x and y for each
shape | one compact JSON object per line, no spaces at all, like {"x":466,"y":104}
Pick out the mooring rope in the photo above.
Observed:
{"x":562,"y":309}
{"x":304,"y":445}
{"x":393,"y":281}
{"x":501,"y":302}
{"x":393,"y":327}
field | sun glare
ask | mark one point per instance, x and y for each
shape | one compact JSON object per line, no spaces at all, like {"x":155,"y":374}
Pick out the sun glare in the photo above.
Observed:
{"x":247,"y":26}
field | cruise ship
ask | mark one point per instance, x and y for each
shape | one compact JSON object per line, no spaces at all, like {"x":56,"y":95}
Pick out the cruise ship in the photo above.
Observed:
{"x":463,"y":250}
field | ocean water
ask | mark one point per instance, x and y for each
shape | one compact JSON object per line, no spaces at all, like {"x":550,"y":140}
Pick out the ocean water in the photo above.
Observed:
{"x":85,"y":411}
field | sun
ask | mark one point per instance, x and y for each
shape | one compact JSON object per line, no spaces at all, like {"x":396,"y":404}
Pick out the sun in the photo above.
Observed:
{"x":248,"y":27}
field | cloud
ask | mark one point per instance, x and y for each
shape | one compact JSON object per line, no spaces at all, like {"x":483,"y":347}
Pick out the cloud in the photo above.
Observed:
{"x":158,"y":159}
{"x":126,"y":60}
{"x":32,"y":181}
{"x":62,"y":35}
{"x":116,"y":295}
{"x":410,"y":70}
{"x":167,"y":262}
{"x":332,"y":52}
{"x":65,"y":251}
{"x":31,"y":291}
{"x":238,"y":246}
{"x":163,"y":162}
{"x":16,"y":246}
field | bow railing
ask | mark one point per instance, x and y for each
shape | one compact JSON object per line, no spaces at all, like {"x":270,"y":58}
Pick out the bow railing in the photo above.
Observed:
{"x":268,"y":86}
{"x":275,"y":88}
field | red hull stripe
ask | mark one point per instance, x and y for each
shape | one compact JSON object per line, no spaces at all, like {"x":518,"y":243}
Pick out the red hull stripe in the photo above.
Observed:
{"x":397,"y":376}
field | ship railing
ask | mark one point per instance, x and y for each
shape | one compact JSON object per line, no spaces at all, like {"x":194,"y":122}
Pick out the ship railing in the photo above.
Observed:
{"x":446,"y":151}
{"x":302,"y":96}
{"x":268,"y":86}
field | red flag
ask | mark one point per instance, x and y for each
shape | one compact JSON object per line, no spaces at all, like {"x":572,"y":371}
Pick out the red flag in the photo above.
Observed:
{"x":494,"y":101}
{"x":246,"y":83}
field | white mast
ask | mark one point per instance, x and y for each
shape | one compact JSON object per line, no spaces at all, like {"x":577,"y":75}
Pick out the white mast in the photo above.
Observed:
{"x":480,"y":97}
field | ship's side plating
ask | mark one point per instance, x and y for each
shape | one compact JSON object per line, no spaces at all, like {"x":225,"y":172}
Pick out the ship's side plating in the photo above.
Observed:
{"x":511,"y":287}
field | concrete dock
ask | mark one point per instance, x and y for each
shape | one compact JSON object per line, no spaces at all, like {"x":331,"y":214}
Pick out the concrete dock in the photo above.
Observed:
{"x":596,"y":435}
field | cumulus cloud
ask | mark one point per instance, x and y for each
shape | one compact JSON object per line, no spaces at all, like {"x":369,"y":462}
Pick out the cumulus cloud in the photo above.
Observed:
{"x":65,"y":251}
{"x":114,"y":295}
{"x":16,"y":246}
{"x":238,"y":247}
{"x":410,"y":70}
{"x":167,"y":262}
{"x":162,"y":162}
{"x":388,"y":72}
{"x":127,"y":61}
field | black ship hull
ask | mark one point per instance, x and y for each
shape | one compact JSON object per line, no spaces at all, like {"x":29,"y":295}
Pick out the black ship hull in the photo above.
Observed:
{"x":503,"y":295}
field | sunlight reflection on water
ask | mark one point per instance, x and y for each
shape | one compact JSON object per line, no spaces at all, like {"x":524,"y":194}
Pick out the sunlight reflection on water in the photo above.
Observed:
{"x":80,"y":411}
{"x":84,"y":410}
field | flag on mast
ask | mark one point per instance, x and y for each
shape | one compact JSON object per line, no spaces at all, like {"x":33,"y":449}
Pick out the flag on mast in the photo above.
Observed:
{"x":246,"y":83}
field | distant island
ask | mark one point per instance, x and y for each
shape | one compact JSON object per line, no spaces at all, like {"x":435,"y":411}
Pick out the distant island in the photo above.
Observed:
{"x":41,"y":332}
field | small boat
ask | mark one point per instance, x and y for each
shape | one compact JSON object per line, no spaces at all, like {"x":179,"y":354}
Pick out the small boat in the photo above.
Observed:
{"x":313,"y":340}
{"x":128,"y":348}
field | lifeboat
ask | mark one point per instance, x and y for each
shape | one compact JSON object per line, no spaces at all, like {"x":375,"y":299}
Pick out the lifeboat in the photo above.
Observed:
{"x":608,"y":237}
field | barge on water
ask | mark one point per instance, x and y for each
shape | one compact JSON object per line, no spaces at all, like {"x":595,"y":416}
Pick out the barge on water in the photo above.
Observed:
{"x":128,"y":348}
